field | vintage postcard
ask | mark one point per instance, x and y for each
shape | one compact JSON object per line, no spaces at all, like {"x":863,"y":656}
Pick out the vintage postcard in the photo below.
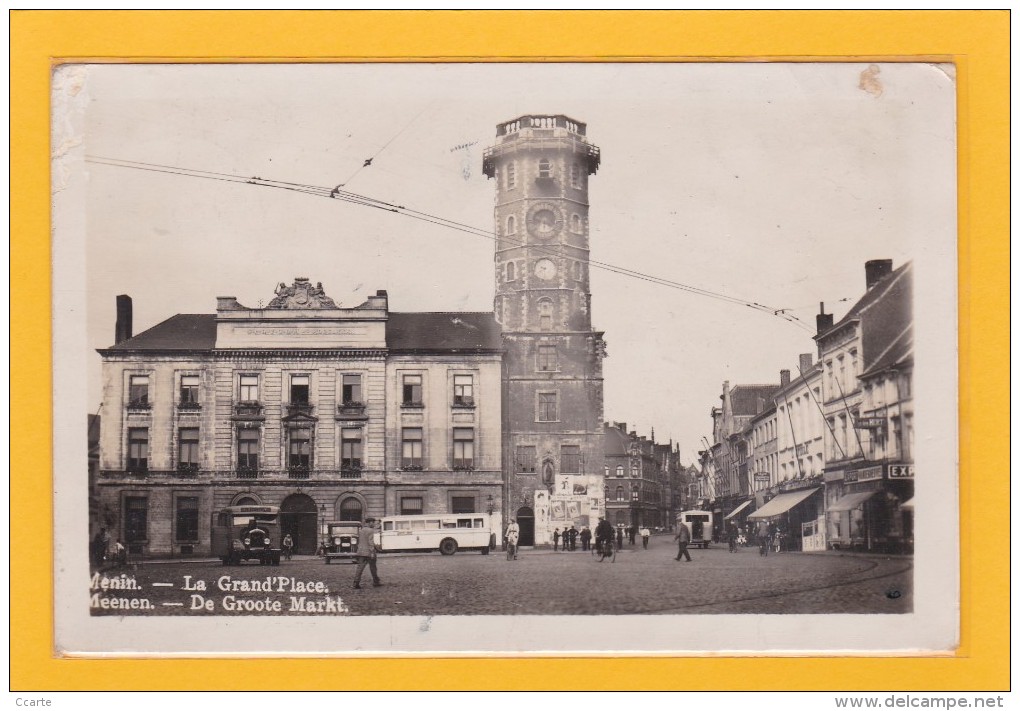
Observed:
{"x":519,"y":358}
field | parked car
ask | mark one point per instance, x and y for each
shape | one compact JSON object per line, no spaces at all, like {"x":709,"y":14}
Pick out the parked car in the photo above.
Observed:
{"x":342,"y":540}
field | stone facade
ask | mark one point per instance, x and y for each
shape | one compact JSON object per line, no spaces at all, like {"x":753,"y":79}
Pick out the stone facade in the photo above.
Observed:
{"x":553,"y":357}
{"x":328,"y":413}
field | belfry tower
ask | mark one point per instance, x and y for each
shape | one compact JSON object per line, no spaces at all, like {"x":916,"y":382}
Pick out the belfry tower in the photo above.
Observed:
{"x":553,"y":359}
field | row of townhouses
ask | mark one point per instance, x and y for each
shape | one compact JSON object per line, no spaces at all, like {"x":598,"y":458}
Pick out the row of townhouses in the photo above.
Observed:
{"x":826,"y":454}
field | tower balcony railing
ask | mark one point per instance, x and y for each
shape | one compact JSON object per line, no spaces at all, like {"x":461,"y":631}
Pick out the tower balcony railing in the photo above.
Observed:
{"x":540,"y":121}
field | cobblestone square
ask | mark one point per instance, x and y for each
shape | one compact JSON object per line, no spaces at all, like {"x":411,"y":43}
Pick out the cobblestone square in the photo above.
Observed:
{"x":540,"y":582}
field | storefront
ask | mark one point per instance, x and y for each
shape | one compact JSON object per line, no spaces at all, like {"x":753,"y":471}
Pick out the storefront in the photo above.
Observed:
{"x":787,"y":512}
{"x":865,"y":512}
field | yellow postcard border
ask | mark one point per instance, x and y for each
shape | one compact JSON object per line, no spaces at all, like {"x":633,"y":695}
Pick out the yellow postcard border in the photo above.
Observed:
{"x":976,"y":41}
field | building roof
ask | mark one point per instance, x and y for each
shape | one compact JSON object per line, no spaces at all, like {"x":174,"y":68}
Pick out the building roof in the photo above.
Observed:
{"x":899,"y":351}
{"x":426,"y":331}
{"x":891,"y":283}
{"x":615,"y":443}
{"x":744,"y":398}
{"x":183,"y":332}
{"x":443,"y":331}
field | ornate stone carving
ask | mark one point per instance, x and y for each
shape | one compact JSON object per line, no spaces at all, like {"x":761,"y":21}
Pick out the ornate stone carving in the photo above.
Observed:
{"x":301,"y":295}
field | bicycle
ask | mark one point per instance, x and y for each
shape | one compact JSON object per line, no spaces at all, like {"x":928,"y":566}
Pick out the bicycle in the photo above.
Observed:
{"x":606,"y":550}
{"x":511,"y":550}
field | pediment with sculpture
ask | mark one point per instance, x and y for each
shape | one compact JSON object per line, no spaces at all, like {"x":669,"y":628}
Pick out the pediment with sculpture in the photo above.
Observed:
{"x":301,"y":295}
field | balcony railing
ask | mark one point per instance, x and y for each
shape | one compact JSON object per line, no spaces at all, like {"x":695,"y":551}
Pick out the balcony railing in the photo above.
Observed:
{"x":248,"y":409}
{"x":247,"y":473}
{"x":463,"y":466}
{"x":298,"y":472}
{"x":350,"y":471}
{"x":139,"y":404}
{"x":463,"y":401}
{"x":299,"y":408}
{"x":188,"y":468}
{"x":189,"y":405}
{"x":351,"y":410}
{"x":412,"y":403}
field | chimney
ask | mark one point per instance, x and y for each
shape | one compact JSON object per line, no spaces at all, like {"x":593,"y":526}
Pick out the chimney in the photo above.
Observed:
{"x":875,"y":270}
{"x":122,"y":330}
{"x":823,"y":321}
{"x":381,"y":300}
{"x":805,"y":362}
{"x":784,"y":378}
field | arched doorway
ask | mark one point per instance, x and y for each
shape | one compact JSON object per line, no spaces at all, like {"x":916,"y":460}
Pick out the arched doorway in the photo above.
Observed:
{"x":351,"y":510}
{"x":299,"y":518}
{"x":246,"y":501}
{"x":526,"y":521}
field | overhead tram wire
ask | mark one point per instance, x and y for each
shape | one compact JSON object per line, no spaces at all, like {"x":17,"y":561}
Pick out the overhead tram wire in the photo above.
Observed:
{"x":337,"y":193}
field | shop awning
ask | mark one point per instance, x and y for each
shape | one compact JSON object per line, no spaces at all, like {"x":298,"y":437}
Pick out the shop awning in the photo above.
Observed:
{"x":782,"y":503}
{"x":908,"y":504}
{"x":851,"y":501}
{"x":736,"y":511}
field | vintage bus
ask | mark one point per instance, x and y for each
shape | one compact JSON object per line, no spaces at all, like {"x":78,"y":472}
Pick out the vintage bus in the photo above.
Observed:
{"x":446,"y":533}
{"x":699,"y":523}
{"x":242,"y":533}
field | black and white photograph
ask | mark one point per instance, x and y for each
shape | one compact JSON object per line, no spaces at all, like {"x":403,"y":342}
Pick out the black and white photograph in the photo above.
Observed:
{"x":505,"y":358}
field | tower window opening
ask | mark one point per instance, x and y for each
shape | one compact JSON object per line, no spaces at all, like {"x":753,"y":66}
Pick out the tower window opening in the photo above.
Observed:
{"x":544,"y":169}
{"x":511,"y":175}
{"x":545,"y":308}
{"x":511,"y":271}
{"x":511,"y":225}
{"x":575,"y":223}
{"x":575,"y":176}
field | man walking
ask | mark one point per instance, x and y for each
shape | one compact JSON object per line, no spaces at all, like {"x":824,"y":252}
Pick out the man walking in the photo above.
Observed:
{"x":645,"y":535}
{"x":684,"y":537}
{"x":367,"y":552}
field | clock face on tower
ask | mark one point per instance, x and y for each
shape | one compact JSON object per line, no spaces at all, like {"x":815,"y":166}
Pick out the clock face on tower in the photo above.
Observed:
{"x":544,"y":220}
{"x":545,"y":269}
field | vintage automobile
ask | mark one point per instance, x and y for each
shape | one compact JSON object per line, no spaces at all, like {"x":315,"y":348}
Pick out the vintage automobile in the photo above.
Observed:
{"x":699,"y":523}
{"x":341,"y":540}
{"x":242,"y":533}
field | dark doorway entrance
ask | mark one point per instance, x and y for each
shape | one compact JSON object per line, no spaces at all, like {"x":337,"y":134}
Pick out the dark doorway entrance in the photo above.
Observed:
{"x":299,"y":518}
{"x":526,"y":520}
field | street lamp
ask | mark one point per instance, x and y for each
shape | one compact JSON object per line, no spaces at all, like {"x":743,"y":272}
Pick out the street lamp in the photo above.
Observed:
{"x":323,"y":529}
{"x":492,"y":535}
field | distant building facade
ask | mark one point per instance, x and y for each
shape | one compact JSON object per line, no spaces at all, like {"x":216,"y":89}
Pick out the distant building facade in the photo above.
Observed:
{"x":637,"y":479}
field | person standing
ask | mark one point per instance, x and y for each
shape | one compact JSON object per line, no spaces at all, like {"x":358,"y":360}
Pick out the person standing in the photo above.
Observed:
{"x":619,"y":538}
{"x":632,"y":534}
{"x":288,"y":546}
{"x":513,"y":535}
{"x":731,"y":536}
{"x":763,"y":538}
{"x":683,"y":536}
{"x":645,"y":535}
{"x":603,"y":534}
{"x":556,"y":540}
{"x":572,"y":536}
{"x":367,"y":553}
{"x":119,"y":553}
{"x":585,"y":538}
{"x":96,"y":551}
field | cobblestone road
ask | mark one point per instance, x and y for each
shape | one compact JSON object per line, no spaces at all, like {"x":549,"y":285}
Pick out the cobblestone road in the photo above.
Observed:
{"x":539,"y":582}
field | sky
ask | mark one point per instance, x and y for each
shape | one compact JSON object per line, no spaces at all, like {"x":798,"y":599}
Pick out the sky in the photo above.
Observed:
{"x":771,"y":183}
